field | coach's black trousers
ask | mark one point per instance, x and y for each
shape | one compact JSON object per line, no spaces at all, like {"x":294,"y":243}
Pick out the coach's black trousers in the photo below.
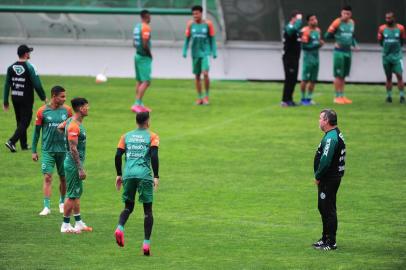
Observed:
{"x":327,"y":194}
{"x":291,"y":67}
{"x":23,"y":112}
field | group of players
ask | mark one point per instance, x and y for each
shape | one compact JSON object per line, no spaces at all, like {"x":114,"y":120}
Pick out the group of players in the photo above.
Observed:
{"x":308,"y":39}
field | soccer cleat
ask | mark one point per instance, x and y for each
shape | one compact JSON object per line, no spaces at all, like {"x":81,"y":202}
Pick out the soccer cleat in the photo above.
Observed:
{"x":137,"y":108}
{"x":292,"y":104}
{"x":146,"y":249}
{"x":327,"y":246}
{"x":402,"y":100}
{"x":45,"y":212}
{"x":67,"y":228}
{"x":11,"y":146}
{"x":61,"y":208}
{"x":388,"y":99}
{"x":119,"y":237}
{"x":206,"y":100}
{"x":305,"y":102}
{"x":146,"y":109}
{"x":339,"y":100}
{"x":284,"y":104}
{"x":199,"y":101}
{"x":25,"y":148}
{"x":312,"y":102}
{"x":319,"y":243}
{"x":347,"y":100}
{"x":81,"y":226}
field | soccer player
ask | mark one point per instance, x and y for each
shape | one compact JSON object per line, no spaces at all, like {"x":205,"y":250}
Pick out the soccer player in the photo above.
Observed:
{"x":329,"y":166}
{"x":291,"y":56}
{"x":53,"y":144}
{"x":311,"y":43}
{"x":143,"y":60}
{"x":202,"y":34}
{"x":22,"y":78}
{"x":342,"y":30}
{"x":74,"y":161}
{"x":391,"y":36}
{"x":140,"y":147}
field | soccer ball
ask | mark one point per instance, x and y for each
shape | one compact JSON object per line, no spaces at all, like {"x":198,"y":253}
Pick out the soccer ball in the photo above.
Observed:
{"x":101,"y":78}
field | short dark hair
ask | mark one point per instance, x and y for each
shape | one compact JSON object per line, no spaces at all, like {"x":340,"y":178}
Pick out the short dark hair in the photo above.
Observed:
{"x":331,"y":116}
{"x":144,"y":13}
{"x":347,"y":8}
{"x":78,"y":102}
{"x":309,"y":16}
{"x":197,"y":7}
{"x":142,"y":118}
{"x":390,"y":12}
{"x":294,"y":13}
{"x":56,"y":90}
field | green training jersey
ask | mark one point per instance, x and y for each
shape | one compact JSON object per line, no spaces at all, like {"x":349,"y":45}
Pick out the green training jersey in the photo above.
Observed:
{"x":137,"y":145}
{"x":329,"y":160}
{"x":310,"y":38}
{"x":202,"y":36}
{"x":75,"y":131}
{"x":391,"y":39}
{"x":142,"y":32}
{"x":48,"y":120}
{"x":343,"y":33}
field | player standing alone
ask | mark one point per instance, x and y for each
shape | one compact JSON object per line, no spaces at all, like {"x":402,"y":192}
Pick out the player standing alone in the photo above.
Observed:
{"x":53,"y":144}
{"x":342,"y":30}
{"x":202,"y":34}
{"x":74,"y":161}
{"x":311,"y":43}
{"x":140,"y":147}
{"x":143,"y":60}
{"x":391,"y":36}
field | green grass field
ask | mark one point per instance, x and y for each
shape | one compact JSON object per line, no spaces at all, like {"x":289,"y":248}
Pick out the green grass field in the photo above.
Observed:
{"x":236,"y":188}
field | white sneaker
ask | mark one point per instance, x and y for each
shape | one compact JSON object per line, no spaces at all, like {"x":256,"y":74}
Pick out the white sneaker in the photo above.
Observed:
{"x":67,"y":228}
{"x":81,"y":226}
{"x":46,"y":211}
{"x":61,"y":208}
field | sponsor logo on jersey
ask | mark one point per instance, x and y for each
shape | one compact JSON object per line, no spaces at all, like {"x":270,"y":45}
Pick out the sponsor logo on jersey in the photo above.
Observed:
{"x":18,"y":69}
{"x":64,"y":116}
{"x":322,"y":195}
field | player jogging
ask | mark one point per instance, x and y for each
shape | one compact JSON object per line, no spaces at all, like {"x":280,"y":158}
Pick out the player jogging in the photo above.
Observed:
{"x":342,"y":30}
{"x":74,"y":161}
{"x":142,"y":60}
{"x":311,"y":43}
{"x":391,"y":36}
{"x":53,"y":146}
{"x":140,"y":147}
{"x":201,"y":33}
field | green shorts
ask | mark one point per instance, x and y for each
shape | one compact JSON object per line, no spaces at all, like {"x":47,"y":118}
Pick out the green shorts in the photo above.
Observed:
{"x":342,"y":63}
{"x":144,"y":187}
{"x":48,"y":161}
{"x":142,"y":68}
{"x":74,"y":186}
{"x":310,"y":70}
{"x":200,"y":64}
{"x":392,"y":65}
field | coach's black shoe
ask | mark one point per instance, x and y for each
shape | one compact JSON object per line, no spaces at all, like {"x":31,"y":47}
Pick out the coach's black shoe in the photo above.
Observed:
{"x":27,"y":147}
{"x":402,"y":100}
{"x":327,"y":246}
{"x":11,"y":146}
{"x":389,"y":100}
{"x":319,"y":243}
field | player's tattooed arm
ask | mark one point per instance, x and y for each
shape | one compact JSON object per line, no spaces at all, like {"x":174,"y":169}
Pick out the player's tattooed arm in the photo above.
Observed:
{"x":73,"y":146}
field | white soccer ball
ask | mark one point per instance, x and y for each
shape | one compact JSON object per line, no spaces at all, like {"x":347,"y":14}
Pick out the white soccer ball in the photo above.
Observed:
{"x":101,"y":78}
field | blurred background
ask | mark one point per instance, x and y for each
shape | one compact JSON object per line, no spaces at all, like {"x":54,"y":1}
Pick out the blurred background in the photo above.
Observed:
{"x":85,"y":37}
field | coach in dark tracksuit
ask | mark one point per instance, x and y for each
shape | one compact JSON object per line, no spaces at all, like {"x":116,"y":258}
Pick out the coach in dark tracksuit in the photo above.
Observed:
{"x":291,"y":56}
{"x":21,"y":78}
{"x":329,"y":165}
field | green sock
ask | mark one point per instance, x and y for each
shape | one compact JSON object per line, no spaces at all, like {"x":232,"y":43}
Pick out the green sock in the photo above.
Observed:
{"x":402,"y":92}
{"x":77,"y":217}
{"x":200,"y":95}
{"x":66,"y":219}
{"x":138,"y":102}
{"x":147,"y":241}
{"x":207,"y":93}
{"x":62,"y":199}
{"x":337,"y":94}
{"x":303,"y":94}
{"x":47,"y":202}
{"x":120,"y":227}
{"x":389,"y":92}
{"x":309,"y":95}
